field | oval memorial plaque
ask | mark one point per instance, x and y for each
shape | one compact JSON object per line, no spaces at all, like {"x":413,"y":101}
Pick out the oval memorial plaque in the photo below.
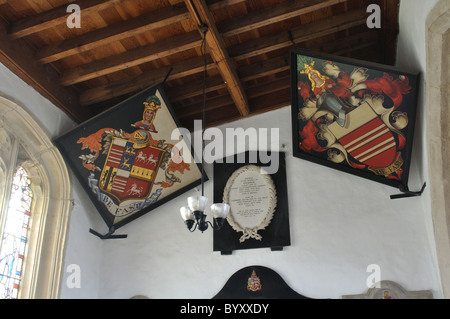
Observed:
{"x":252,"y":199}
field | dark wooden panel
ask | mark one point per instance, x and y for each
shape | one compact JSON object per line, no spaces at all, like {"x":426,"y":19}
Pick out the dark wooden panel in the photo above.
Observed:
{"x":124,"y":46}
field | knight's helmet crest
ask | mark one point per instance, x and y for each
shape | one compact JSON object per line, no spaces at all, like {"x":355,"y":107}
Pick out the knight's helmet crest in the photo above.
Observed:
{"x":310,"y":70}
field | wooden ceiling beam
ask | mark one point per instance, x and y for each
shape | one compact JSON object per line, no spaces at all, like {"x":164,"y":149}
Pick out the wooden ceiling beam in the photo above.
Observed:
{"x":118,"y":31}
{"x":219,"y":4}
{"x":55,"y":17}
{"x":121,"y":30}
{"x":254,"y":92}
{"x":195,"y":88}
{"x":235,"y":87}
{"x":201,"y":15}
{"x":116,"y":89}
{"x":300,"y":34}
{"x":268,"y":87}
{"x":389,"y":30}
{"x":271,"y":101}
{"x":17,"y":55}
{"x":215,"y":123}
{"x":347,"y":43}
{"x":211,"y":104}
{"x":137,"y":83}
{"x":261,"y":94}
{"x":132,"y":58}
{"x":270,"y":15}
{"x":264,"y":68}
{"x":276,"y":98}
{"x":280,"y":64}
{"x":193,"y":66}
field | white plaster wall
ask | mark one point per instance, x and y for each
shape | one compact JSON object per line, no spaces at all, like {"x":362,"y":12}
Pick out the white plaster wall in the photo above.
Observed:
{"x":52,"y":119}
{"x":339,"y":225}
{"x":82,"y":248}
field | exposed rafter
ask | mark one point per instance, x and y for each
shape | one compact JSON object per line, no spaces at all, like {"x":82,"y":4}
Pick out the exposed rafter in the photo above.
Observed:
{"x":118,"y":88}
{"x":300,"y":34}
{"x":273,"y":14}
{"x":201,"y":15}
{"x":55,"y":17}
{"x":18,"y":56}
{"x":132,"y":58}
{"x":116,"y":32}
{"x":125,"y":46}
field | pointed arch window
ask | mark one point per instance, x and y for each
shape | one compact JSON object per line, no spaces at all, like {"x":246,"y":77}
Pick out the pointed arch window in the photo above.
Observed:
{"x":15,"y":235}
{"x":35,"y":204}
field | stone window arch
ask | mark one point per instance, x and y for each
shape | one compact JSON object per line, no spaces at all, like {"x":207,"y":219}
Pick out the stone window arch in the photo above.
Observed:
{"x":24,"y":143}
{"x":438,"y":132}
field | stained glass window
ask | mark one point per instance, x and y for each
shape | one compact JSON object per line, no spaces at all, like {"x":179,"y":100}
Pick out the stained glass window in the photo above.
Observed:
{"x":15,"y":235}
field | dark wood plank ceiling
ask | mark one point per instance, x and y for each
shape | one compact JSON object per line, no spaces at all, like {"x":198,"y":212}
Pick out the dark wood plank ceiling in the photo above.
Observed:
{"x":124,"y":46}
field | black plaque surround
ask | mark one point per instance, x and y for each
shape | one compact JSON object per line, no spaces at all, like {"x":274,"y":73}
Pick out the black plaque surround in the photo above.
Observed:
{"x":272,"y":286}
{"x":276,"y":235}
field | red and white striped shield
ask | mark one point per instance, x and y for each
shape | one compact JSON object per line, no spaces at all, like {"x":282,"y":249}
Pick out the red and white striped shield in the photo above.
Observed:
{"x":366,"y":137}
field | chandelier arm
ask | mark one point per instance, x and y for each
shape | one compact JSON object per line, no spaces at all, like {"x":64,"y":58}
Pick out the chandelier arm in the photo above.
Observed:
{"x":213,"y":227}
{"x":193,"y":230}
{"x":210,"y":224}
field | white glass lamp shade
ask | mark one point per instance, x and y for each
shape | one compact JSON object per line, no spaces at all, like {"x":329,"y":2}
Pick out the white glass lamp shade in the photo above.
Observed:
{"x":197,"y":203}
{"x":220,"y":210}
{"x":186,"y":213}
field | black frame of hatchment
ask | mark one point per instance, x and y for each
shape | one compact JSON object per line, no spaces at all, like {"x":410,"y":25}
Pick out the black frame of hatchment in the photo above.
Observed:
{"x":374,"y":70}
{"x":117,"y":117}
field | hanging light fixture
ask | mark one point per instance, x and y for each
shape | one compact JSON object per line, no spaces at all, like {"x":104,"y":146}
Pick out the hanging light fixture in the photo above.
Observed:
{"x":193,"y":213}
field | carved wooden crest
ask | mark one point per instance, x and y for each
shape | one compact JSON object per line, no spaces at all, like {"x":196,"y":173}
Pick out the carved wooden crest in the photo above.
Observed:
{"x":386,"y":289}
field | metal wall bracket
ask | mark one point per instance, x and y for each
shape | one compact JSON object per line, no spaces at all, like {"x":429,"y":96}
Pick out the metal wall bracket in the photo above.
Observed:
{"x":108,"y":235}
{"x":407,"y":193}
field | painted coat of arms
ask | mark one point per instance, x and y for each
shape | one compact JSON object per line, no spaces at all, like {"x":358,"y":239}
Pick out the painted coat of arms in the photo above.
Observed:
{"x":254,"y":283}
{"x":126,"y":160}
{"x":353,"y":116}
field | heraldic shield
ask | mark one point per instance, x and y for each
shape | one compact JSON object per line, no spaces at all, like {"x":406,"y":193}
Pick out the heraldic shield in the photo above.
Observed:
{"x":130,"y":170}
{"x":367,"y":138}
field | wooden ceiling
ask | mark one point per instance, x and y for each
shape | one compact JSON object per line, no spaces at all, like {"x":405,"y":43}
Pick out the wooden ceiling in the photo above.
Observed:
{"x":124,"y":46}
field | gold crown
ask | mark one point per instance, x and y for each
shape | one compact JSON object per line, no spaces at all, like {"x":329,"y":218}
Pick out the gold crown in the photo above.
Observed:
{"x":152,"y":106}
